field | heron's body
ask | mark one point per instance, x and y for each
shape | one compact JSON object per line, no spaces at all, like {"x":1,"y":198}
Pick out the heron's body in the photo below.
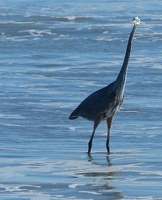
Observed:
{"x":104,"y":103}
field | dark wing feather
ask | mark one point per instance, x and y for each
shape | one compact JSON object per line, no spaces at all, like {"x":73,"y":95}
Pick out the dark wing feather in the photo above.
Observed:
{"x":95,"y":104}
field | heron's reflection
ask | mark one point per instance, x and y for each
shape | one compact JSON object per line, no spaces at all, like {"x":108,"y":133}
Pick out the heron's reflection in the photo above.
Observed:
{"x":104,"y":173}
{"x":91,"y":159}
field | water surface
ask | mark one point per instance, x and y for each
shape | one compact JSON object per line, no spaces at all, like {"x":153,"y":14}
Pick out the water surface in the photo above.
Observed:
{"x":54,"y":54}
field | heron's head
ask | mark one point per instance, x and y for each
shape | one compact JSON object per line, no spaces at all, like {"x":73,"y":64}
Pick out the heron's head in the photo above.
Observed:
{"x":136,"y":21}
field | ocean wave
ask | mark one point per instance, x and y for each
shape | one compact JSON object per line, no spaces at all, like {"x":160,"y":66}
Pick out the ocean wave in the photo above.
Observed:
{"x":35,"y":32}
{"x":11,"y":116}
{"x":157,"y":66}
{"x":13,"y":125}
{"x":75,"y":18}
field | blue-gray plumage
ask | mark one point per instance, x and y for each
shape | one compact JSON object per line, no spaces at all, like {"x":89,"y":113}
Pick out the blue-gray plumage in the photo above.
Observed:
{"x":104,"y":103}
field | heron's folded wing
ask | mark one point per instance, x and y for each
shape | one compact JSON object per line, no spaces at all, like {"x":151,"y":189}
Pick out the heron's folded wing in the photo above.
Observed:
{"x":96,"y":104}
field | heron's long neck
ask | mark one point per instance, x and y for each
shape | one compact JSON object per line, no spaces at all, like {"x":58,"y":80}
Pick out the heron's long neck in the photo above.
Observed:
{"x":121,"y":79}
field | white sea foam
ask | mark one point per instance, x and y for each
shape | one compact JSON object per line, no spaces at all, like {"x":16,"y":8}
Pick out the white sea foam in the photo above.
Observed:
{"x":72,"y":128}
{"x":71,"y":18}
{"x":90,"y":192}
{"x":11,"y":116}
{"x":13,"y":125}
{"x":106,"y":39}
{"x":73,"y":186}
{"x":157,"y":66}
{"x":105,"y":32}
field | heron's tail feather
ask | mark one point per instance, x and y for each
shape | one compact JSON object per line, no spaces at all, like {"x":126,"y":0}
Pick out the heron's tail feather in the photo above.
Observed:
{"x":74,"y":114}
{"x":73,"y":117}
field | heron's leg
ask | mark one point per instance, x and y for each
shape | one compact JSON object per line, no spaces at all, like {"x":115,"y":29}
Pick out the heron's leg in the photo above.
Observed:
{"x":96,"y":123}
{"x":109,"y":123}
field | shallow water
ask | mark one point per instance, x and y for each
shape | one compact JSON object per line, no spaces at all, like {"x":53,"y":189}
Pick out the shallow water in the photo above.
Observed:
{"x":54,"y":54}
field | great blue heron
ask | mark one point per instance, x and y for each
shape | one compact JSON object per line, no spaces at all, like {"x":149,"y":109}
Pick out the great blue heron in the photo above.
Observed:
{"x":104,"y":103}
